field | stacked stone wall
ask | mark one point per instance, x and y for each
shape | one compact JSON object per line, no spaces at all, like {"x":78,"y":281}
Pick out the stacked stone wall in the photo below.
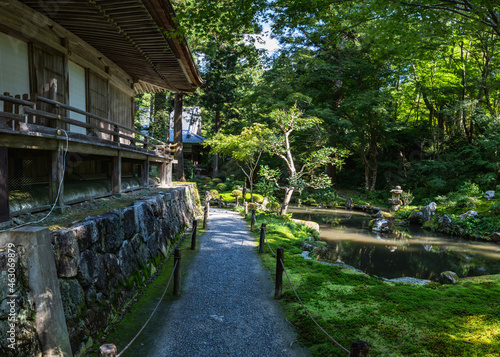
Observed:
{"x":102,"y":261}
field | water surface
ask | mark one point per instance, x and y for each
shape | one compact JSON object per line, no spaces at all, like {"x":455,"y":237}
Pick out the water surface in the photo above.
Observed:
{"x":415,"y":253}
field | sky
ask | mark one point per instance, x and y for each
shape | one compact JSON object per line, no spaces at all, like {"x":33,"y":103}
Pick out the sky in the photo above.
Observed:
{"x":266,"y":42}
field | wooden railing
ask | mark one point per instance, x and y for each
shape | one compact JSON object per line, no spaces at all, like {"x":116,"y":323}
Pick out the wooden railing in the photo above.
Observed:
{"x":20,"y":114}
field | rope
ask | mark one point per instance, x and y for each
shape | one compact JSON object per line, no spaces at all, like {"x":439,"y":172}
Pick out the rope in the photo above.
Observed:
{"x":308,"y":313}
{"x":58,"y":191}
{"x":270,"y":246}
{"x":138,"y":333}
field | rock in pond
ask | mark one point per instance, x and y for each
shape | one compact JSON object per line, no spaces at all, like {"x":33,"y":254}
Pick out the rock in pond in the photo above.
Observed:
{"x":382,"y":225}
{"x":444,"y":222}
{"x":468,"y":214}
{"x":429,"y":211}
{"x":495,"y":237}
{"x":417,"y":217}
{"x":448,"y":277}
{"x":489,"y":195}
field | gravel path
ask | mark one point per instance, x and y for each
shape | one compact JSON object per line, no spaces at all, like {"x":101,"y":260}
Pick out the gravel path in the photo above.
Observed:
{"x":227,"y":306}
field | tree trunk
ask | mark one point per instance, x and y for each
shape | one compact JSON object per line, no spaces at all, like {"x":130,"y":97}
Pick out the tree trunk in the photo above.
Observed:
{"x":178,"y":136}
{"x":215,"y":167}
{"x":286,"y":200}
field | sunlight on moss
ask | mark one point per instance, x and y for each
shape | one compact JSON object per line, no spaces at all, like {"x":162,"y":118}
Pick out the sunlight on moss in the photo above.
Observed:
{"x":478,"y":330}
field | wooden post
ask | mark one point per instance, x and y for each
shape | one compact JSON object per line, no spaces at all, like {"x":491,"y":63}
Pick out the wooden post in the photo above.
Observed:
{"x":116,"y":175}
{"x":245,"y":205}
{"x":163,"y":173}
{"x":107,"y":350}
{"x":280,"y":252}
{"x":205,"y":216}
{"x":4,"y":186}
{"x":145,"y":172}
{"x":193,"y":234}
{"x":177,"y":271}
{"x":220,"y":201}
{"x":252,"y":222}
{"x":179,"y":156}
{"x":237,"y":202}
{"x":262,"y":237}
{"x":168,"y":174}
{"x":57,"y":176}
{"x":360,"y":349}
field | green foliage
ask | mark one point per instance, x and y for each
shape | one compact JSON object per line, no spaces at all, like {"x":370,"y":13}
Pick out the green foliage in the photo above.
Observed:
{"x":407,"y":198}
{"x":237,"y":193}
{"x":214,"y":193}
{"x":221,"y":187}
{"x":470,"y":189}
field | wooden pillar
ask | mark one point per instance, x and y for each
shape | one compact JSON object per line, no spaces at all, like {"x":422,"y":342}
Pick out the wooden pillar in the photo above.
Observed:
{"x":116,"y":175}
{"x":163,"y":173}
{"x":145,"y":172}
{"x":168,"y":174}
{"x":57,"y":176}
{"x":4,"y":186}
{"x":178,"y":136}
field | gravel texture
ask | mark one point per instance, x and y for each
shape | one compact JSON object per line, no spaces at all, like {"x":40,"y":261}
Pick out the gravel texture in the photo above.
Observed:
{"x":227,"y":306}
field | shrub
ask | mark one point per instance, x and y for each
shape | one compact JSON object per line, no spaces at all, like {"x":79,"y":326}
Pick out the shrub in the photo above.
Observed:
{"x":274,"y":206}
{"x":466,"y":201}
{"x":495,"y":207}
{"x":470,"y":189}
{"x":221,"y":187}
{"x":407,"y":198}
{"x":238,"y":193}
{"x":216,"y":180}
{"x":214,"y":193}
{"x":442,"y":200}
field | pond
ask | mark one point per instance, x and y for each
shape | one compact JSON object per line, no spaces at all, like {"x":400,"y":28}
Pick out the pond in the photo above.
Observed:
{"x":414,"y":253}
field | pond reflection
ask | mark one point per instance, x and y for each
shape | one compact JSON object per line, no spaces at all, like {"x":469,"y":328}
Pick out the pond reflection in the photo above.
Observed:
{"x":413,"y":253}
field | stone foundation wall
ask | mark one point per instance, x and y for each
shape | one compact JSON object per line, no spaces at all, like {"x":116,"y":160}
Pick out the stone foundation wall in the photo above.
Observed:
{"x":103,"y":260}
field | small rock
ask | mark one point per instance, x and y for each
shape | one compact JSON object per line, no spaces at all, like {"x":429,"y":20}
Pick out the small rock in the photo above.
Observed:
{"x":489,"y":195}
{"x":444,"y":222}
{"x":468,"y":214}
{"x":382,"y":225}
{"x":416,"y":217}
{"x":495,"y":237}
{"x":448,"y":277}
{"x":429,"y":211}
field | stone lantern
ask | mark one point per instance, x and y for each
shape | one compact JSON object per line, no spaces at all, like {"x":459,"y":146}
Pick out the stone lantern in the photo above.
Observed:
{"x":395,"y":201}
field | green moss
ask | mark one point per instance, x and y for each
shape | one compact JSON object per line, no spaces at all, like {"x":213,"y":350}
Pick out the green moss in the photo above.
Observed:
{"x":396,"y":319}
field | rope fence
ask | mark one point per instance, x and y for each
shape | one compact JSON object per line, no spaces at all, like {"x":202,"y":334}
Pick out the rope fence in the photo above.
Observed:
{"x":109,"y":349}
{"x":358,"y":348}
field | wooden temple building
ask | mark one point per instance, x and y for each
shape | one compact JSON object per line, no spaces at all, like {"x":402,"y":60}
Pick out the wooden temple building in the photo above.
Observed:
{"x":69,"y":72}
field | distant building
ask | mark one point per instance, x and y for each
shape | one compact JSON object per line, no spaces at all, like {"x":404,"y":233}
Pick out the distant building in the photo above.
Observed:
{"x":191,"y":133}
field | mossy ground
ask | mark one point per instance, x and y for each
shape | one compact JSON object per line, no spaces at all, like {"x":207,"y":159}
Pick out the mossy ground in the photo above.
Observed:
{"x":396,"y":319}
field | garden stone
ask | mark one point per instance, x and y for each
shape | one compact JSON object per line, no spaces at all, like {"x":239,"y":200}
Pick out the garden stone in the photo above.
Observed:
{"x":444,"y":222}
{"x":468,"y":214}
{"x":429,"y":211}
{"x":382,"y":225}
{"x":495,"y":237}
{"x":349,"y":204}
{"x":489,"y":195}
{"x":448,"y":277}
{"x":416,"y":217}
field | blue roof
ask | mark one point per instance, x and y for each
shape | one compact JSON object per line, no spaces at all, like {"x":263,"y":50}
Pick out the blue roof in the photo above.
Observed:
{"x":187,"y":137}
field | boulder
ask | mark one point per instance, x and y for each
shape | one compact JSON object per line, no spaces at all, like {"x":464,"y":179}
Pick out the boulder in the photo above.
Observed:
{"x":429,"y":211}
{"x":448,"y":277}
{"x":495,"y":237}
{"x":444,"y":222}
{"x":489,"y":195}
{"x":468,"y":214}
{"x":382,"y":225}
{"x":349,"y":204}
{"x":417,"y":217}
